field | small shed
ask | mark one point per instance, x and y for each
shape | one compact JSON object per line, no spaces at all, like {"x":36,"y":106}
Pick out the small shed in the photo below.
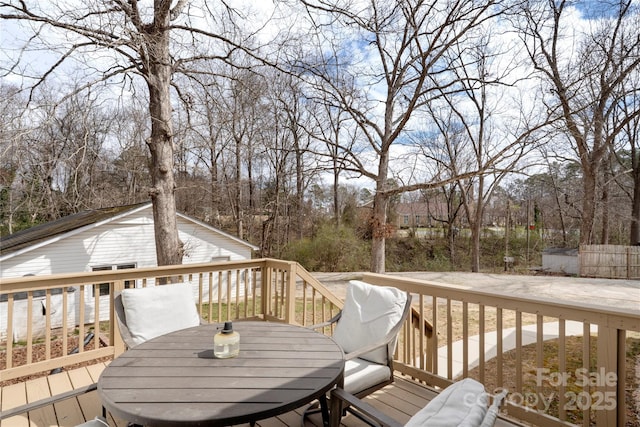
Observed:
{"x":561,"y":260}
{"x":104,"y":239}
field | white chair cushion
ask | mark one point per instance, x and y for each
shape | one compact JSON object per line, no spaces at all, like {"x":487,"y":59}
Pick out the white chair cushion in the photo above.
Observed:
{"x":157,"y":310}
{"x":462,"y":404}
{"x":360,"y":374}
{"x":369,"y":313}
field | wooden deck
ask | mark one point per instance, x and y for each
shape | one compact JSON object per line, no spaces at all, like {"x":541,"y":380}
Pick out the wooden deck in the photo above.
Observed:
{"x":399,"y":400}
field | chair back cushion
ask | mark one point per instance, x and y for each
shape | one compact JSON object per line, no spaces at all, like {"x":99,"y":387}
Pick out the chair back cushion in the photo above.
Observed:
{"x":157,"y":310}
{"x":369,"y":313}
{"x":462,"y":404}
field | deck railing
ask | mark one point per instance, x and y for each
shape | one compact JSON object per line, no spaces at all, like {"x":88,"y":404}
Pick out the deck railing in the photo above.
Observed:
{"x":43,"y":320}
{"x":563,"y":363}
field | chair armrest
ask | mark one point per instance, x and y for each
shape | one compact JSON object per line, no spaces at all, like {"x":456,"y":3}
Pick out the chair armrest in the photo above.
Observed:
{"x":47,"y":401}
{"x":363,"y":410}
{"x":329,"y":322}
{"x":494,"y":409}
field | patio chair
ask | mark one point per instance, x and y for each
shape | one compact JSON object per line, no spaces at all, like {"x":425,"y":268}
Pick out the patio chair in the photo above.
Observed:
{"x":145,"y":313}
{"x":367,"y":329}
{"x":464,"y":403}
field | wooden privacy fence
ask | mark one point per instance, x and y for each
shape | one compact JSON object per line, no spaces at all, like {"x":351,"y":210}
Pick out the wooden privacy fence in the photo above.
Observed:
{"x":610,"y":261}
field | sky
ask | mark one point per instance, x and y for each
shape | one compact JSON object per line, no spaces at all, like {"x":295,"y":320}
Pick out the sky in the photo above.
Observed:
{"x":269,"y":18}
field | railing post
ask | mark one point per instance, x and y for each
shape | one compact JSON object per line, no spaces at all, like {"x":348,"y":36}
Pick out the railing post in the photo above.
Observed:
{"x":610,"y":377}
{"x":114,"y":329}
{"x":266,"y":288}
{"x":290,"y":308}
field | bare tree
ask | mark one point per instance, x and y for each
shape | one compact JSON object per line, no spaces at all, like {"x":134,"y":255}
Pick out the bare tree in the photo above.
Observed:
{"x":295,"y":106}
{"x":628,"y":156}
{"x":12,"y":132}
{"x":483,"y":129}
{"x":332,"y":129}
{"x":584,"y":78}
{"x":383,"y":62}
{"x":128,"y":176}
{"x":208,"y":117}
{"x":117,"y":41}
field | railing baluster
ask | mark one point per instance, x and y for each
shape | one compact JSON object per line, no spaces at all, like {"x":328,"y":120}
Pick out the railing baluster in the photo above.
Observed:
{"x":254,"y":274}
{"x":422,"y":350}
{"x":96,"y":317}
{"x":313,"y":307}
{"x":81,"y":309}
{"x":500,"y":347}
{"x":518,"y":352}
{"x":621,"y":366}
{"x":29,"y":327}
{"x":219,"y":288}
{"x":47,"y":324}
{"x":281,"y":294}
{"x":449,"y":341}
{"x":304,"y":302}
{"x":9,"y":359}
{"x":245,"y":287}
{"x":562,"y":368}
{"x":200,"y":292}
{"x":465,"y":339}
{"x":481,"y":342}
{"x":228,"y":295}
{"x":210,"y":299}
{"x":237,"y":316}
{"x":434,"y":314}
{"x":324,"y":316}
{"x":586,"y":364}
{"x":65,"y":320}
{"x":539,"y":352}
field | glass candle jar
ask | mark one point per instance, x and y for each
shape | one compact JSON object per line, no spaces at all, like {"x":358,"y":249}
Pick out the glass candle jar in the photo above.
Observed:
{"x":226,"y":343}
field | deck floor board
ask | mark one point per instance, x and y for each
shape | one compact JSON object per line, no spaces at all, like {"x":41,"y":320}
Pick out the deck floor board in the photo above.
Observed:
{"x":399,"y":400}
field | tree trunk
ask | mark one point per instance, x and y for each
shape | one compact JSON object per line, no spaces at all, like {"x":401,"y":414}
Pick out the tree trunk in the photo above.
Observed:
{"x":476,"y":226}
{"x":379,"y":231}
{"x":298,"y":216}
{"x":169,"y":248}
{"x":336,"y":200}
{"x":588,"y":208}
{"x":604,"y":238}
{"x":379,"y":217}
{"x":238,"y":179}
{"x":634,"y":237}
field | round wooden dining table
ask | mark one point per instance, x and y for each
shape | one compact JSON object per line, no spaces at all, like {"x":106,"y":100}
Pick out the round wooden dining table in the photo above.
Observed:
{"x":175,"y":380}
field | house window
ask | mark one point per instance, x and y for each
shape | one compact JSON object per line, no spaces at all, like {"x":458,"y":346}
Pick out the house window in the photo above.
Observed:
{"x":417,"y":219}
{"x":406,"y":220}
{"x":104,"y":287}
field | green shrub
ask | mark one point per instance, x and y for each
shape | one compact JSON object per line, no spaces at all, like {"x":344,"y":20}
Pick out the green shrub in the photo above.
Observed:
{"x":331,"y":249}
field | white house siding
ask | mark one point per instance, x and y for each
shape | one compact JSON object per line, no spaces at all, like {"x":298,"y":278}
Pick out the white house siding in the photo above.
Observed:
{"x":128,"y":240}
